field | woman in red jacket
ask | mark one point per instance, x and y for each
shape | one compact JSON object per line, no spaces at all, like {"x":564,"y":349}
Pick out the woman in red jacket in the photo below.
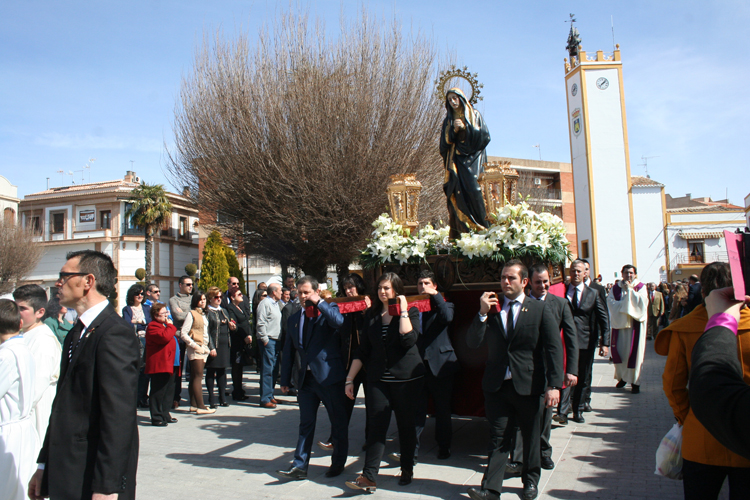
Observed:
{"x":161,"y":352}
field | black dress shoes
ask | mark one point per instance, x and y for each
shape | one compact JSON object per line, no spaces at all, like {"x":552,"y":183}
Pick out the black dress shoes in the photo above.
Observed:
{"x":242,"y":397}
{"x":480,"y":494}
{"x":561,"y":419}
{"x":513,"y":469}
{"x":160,"y":423}
{"x":636,"y":389}
{"x":530,"y":492}
{"x":621,"y":384}
{"x":224,"y":403}
{"x":444,"y":454}
{"x":172,"y":420}
{"x":586,"y":407}
{"x":406,"y":477}
{"x":577,"y":418}
{"x":547,"y":463}
{"x":334,"y":470}
{"x":293,"y":473}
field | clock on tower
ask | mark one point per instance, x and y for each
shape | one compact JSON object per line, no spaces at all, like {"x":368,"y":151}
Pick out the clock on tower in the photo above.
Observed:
{"x":601,"y":160}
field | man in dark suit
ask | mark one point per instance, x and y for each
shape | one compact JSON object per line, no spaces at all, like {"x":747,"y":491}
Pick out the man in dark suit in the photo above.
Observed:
{"x":238,"y":366}
{"x":441,"y":362}
{"x":289,"y":310}
{"x":523,"y":374}
{"x":91,"y":446}
{"x":592,"y":324}
{"x":602,"y":291}
{"x":695,"y":298}
{"x":558,"y":308}
{"x":312,"y":335}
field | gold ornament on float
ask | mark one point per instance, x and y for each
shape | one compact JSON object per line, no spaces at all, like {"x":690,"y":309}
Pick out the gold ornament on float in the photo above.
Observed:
{"x":403,"y":199}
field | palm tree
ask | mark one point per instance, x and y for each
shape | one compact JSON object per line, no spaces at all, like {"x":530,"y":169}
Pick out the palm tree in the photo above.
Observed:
{"x":149,"y":210}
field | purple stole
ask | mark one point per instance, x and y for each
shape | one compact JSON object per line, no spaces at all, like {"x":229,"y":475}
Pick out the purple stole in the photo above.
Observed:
{"x":635,"y":340}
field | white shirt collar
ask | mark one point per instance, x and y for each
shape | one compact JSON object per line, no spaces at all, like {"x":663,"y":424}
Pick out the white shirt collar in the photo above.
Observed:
{"x":518,"y":299}
{"x":542,"y":298}
{"x":91,"y":313}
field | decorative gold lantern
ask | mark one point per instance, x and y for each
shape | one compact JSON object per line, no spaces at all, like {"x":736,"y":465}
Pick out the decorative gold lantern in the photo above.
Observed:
{"x":499,"y":185}
{"x":403,"y":198}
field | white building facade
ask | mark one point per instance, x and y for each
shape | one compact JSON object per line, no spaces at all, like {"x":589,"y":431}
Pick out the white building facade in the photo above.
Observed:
{"x":92,"y":217}
{"x":8,"y":200}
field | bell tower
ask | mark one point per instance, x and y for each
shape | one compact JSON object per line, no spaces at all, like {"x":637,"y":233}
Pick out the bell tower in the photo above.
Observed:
{"x":600,"y":157}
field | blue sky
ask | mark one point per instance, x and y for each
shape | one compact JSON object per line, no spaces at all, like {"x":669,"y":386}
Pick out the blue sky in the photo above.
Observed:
{"x":100,"y":79}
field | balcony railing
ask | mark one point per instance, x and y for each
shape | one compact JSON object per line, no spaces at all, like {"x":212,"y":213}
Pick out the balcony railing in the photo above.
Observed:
{"x":542,"y":194}
{"x":132,"y":231}
{"x":686,"y":258}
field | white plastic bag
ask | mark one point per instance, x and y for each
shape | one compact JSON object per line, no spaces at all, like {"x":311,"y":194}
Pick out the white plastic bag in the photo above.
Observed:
{"x":668,"y":455}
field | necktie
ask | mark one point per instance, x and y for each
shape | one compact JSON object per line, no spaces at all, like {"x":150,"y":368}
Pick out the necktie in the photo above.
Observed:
{"x":75,"y":339}
{"x":509,"y":320}
{"x":575,"y":298}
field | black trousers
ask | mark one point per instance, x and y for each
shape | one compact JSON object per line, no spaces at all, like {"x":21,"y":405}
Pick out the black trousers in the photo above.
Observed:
{"x":359,"y":380}
{"x":238,"y":370}
{"x":583,"y":388}
{"x":516,"y":452}
{"x":220,"y":376}
{"x":382,"y":398}
{"x":504,"y":408}
{"x":161,"y":396}
{"x":441,"y":390}
{"x":704,"y":482}
{"x":178,"y":378}
{"x":563,"y":407}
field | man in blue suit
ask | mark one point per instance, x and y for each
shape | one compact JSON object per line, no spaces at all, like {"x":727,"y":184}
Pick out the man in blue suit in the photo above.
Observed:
{"x":313,"y":346}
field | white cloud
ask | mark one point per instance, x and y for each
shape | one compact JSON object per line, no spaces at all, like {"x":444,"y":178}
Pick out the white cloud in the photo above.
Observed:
{"x":89,"y":142}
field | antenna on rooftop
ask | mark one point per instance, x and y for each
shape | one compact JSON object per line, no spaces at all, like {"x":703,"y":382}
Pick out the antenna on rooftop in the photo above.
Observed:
{"x":539,"y":147}
{"x":62,"y":177}
{"x":612,"y":19}
{"x":645,"y":163}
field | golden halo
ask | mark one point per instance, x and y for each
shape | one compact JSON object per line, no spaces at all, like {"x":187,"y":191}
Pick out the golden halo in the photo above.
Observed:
{"x":454,"y":72}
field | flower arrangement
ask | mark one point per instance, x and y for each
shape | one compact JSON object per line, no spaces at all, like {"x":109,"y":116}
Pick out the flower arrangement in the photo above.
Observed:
{"x":515,"y":231}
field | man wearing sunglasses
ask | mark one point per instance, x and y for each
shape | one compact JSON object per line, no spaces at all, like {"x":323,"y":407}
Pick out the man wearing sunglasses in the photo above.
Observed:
{"x":91,"y":445}
{"x":180,"y":307}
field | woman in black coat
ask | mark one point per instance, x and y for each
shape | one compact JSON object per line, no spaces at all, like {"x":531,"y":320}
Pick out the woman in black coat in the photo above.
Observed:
{"x":219,"y":343}
{"x":242,"y":339}
{"x":395,"y":374}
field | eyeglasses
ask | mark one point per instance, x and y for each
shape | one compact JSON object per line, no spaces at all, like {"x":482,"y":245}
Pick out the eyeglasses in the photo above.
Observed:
{"x":155,"y":291}
{"x":188,"y":284}
{"x":64,"y":277}
{"x":235,"y":284}
{"x":139,"y":294}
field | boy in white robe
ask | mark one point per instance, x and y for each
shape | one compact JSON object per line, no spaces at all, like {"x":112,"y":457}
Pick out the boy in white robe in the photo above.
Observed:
{"x":45,"y":348}
{"x":628,"y":312}
{"x":18,"y":438}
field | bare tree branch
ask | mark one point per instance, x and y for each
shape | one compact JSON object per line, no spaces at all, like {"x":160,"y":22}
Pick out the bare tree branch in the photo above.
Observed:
{"x":295,"y":138}
{"x":19,"y":254}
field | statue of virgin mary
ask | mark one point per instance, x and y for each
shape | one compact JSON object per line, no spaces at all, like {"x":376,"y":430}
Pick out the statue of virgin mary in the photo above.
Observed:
{"x":462,"y":142}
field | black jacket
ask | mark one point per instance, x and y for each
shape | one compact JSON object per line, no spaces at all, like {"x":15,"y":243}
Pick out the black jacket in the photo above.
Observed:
{"x":533,"y":352}
{"x":350,"y":333}
{"x":398,"y":353}
{"x":92,"y":439}
{"x":591,"y":318}
{"x":434,"y":343}
{"x":563,"y":317}
{"x":694,"y":296}
{"x":719,"y":396}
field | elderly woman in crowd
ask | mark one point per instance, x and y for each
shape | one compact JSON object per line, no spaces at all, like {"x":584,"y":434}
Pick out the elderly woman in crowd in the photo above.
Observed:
{"x":395,"y":374}
{"x":194,"y":333}
{"x":706,"y":463}
{"x":162,"y":355}
{"x":218,"y":361}
{"x":54,"y":318}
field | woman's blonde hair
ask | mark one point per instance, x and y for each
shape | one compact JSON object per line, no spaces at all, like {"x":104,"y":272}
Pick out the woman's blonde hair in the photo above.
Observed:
{"x":212,"y":292}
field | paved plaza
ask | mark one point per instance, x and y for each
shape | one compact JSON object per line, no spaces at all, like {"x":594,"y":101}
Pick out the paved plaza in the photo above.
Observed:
{"x":234,"y":452}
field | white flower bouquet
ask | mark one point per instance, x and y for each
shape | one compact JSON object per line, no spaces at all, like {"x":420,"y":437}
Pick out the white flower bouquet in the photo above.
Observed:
{"x":515,"y":231}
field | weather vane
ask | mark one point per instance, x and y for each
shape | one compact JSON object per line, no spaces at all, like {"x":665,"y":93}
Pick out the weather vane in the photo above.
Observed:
{"x":574,"y":39}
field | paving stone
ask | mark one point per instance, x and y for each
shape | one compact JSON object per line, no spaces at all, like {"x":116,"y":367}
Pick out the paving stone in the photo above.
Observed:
{"x":235,"y":452}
